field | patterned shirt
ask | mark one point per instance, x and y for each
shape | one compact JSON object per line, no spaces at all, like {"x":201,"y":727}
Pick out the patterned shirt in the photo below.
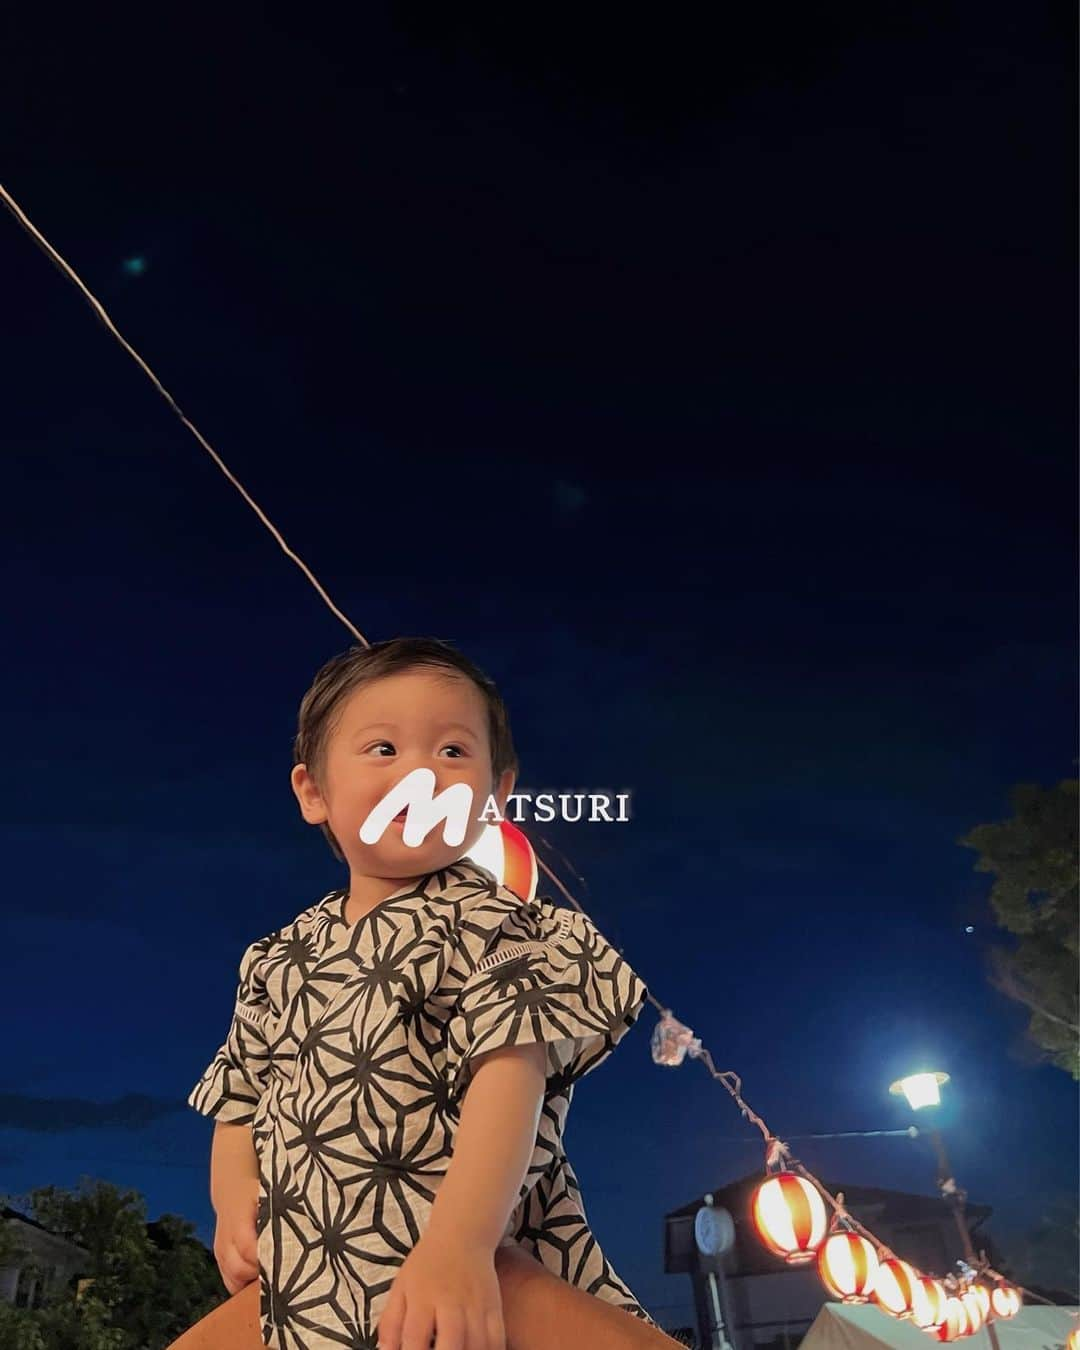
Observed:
{"x":349,"y":1053}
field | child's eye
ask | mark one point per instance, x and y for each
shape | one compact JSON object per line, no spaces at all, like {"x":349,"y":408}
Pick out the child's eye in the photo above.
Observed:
{"x":378,"y":745}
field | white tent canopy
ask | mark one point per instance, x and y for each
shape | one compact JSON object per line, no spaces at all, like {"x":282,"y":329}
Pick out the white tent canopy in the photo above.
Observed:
{"x":842,"y":1326}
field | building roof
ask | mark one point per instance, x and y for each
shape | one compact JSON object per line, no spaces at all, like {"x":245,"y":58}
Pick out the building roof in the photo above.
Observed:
{"x":896,"y":1217}
{"x":6,"y":1212}
{"x":891,"y":1206}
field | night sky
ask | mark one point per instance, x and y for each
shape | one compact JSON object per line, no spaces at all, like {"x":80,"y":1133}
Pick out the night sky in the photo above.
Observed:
{"x":708,"y":381}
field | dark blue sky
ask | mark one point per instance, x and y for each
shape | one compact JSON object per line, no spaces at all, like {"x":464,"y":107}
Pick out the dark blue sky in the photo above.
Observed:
{"x":711,"y":386}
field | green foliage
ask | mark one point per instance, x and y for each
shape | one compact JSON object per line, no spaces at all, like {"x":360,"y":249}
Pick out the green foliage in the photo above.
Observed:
{"x":64,"y":1324}
{"x":150,"y":1282}
{"x":19,"y":1329}
{"x":1036,"y":898}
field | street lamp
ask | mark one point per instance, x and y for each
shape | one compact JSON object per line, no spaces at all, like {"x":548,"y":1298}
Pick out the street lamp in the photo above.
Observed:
{"x":923,"y":1090}
{"x":920,"y":1089}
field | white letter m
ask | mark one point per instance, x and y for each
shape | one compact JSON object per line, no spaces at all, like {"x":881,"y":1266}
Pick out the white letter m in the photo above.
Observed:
{"x":424,"y":811}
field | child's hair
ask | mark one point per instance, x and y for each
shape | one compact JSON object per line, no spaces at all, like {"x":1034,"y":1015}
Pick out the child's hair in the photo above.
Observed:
{"x":321,"y":706}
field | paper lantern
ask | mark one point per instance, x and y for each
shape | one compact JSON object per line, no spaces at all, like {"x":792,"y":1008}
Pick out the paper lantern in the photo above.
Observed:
{"x":1005,"y":1300}
{"x":894,"y":1287}
{"x":848,"y":1266}
{"x":509,"y":857}
{"x":974,"y":1311}
{"x":928,"y":1305}
{"x":789,"y":1216}
{"x":955,"y":1324}
{"x":1072,"y":1341}
{"x":983,"y":1295}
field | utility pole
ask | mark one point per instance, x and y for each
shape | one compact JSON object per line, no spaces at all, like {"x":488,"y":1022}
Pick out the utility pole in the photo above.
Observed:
{"x":955,"y":1196}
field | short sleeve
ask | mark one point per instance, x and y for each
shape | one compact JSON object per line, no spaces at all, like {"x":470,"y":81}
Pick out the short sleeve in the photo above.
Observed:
{"x":532,"y":971}
{"x":234,"y":1080}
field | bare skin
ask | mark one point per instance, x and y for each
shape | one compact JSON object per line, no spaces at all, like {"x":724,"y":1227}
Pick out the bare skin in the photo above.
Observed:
{"x":541,"y":1312}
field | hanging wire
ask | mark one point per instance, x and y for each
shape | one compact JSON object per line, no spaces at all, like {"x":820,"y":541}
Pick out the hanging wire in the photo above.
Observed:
{"x":565,"y":862}
{"x":99,"y":310}
{"x":777,"y":1152}
{"x":910,"y":1133}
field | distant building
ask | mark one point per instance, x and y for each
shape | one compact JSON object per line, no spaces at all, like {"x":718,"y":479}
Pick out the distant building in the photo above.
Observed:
{"x":765,"y":1302}
{"x":47,"y":1261}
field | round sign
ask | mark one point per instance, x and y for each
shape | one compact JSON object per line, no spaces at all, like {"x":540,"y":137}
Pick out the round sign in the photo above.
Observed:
{"x":714,"y":1230}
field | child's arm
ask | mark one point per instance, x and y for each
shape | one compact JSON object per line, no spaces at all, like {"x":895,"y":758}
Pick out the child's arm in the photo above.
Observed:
{"x":493,"y":1145}
{"x":234,"y":1194}
{"x":232,"y":1162}
{"x":448,"y":1281}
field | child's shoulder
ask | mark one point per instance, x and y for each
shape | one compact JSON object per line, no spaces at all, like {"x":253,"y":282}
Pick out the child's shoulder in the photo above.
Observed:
{"x":481,"y":896}
{"x":300,"y":927}
{"x":313,"y":912}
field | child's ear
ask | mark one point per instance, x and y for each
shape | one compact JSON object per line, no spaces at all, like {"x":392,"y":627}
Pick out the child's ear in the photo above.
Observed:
{"x":306,"y":790}
{"x":503,"y":789}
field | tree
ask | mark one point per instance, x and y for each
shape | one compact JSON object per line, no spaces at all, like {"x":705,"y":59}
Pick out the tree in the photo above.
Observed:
{"x":150,"y":1282}
{"x":187,"y":1282}
{"x":1034,"y":857}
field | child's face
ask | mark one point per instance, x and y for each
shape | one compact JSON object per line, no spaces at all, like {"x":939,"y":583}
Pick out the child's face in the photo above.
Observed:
{"x":385,"y":730}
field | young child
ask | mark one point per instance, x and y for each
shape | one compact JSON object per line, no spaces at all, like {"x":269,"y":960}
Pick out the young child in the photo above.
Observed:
{"x":391,"y":1097}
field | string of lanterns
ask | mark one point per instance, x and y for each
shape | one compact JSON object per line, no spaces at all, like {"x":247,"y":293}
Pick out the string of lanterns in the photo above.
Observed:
{"x":789,"y":1205}
{"x":790,"y":1217}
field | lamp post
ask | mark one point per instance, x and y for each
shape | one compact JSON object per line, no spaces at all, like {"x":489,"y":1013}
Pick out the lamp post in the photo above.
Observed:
{"x":924,"y":1090}
{"x":714,"y":1236}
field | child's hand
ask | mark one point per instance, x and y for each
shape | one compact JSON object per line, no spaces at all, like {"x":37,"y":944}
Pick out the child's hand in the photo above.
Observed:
{"x":234,"y":1236}
{"x":446,"y":1290}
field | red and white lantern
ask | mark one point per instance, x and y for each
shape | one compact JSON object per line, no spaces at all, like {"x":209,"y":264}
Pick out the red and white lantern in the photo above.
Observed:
{"x":983,"y":1295}
{"x":1005,"y":1300}
{"x":894,"y":1287}
{"x":507,"y":854}
{"x":974,"y":1311}
{"x":848,"y":1267}
{"x":955,"y":1324}
{"x":789,"y":1215}
{"x":928,"y":1306}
